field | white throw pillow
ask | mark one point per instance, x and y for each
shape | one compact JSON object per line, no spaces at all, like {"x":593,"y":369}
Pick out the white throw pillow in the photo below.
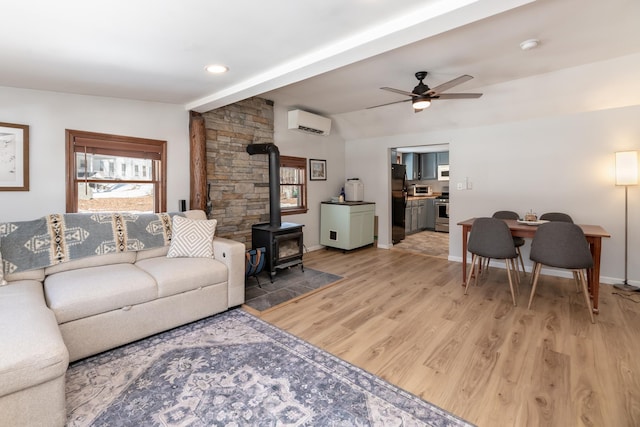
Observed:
{"x":192,"y":237}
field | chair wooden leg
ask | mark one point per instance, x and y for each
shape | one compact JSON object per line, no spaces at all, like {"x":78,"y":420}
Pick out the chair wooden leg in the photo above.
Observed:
{"x":474,"y":260}
{"x":576,"y":278}
{"x":532,"y":269}
{"x":524,"y":271}
{"x":535,"y":275}
{"x":513,"y":295}
{"x":516,"y":273}
{"x":483,"y":265}
{"x":587,"y":299}
{"x":516,"y":269}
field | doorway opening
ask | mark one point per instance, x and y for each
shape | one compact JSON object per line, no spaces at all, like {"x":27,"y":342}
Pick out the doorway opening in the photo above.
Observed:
{"x":425,"y":209}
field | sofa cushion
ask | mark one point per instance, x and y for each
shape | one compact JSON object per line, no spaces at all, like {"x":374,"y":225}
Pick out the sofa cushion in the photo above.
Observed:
{"x":176,"y":275}
{"x":76,"y":294}
{"x":35,"y":352}
{"x":192,"y":237}
{"x":93,"y":261}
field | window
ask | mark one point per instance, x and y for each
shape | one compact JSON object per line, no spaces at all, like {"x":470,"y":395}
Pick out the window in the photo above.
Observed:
{"x":93,"y":185}
{"x":293,"y":185}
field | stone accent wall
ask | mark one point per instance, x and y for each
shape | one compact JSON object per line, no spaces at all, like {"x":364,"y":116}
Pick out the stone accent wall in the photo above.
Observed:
{"x":239,"y":183}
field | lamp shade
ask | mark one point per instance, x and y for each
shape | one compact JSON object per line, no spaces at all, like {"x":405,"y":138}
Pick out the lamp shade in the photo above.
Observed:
{"x":627,"y":168}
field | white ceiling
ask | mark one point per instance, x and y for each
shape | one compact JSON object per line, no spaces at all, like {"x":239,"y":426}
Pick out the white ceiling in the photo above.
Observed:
{"x":325,"y":56}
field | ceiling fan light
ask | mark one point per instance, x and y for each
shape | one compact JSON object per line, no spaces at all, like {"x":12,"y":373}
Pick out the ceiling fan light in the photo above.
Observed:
{"x":421,"y":102}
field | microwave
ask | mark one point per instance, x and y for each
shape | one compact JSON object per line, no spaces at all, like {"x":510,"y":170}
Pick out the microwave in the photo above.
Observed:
{"x":443,"y":173}
{"x":420,"y":190}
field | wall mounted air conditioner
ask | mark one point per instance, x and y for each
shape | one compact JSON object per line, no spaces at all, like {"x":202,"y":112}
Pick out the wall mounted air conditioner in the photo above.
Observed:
{"x":308,"y":122}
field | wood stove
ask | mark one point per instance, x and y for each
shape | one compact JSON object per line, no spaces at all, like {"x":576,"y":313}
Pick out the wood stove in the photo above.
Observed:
{"x":284,"y":245}
{"x":283,"y":241}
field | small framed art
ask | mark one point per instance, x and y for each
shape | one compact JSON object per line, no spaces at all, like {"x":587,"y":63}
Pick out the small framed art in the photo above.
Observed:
{"x":14,"y":157}
{"x":317,"y":170}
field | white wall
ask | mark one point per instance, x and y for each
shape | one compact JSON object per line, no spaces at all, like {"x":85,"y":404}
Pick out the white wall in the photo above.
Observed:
{"x":329,"y":148}
{"x":563,"y":163}
{"x":48,"y":114}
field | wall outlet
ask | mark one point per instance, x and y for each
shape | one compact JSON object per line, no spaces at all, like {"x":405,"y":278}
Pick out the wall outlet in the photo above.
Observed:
{"x":460,"y":186}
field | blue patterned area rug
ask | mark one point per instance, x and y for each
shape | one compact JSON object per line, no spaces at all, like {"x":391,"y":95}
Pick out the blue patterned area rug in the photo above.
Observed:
{"x":233,"y":369}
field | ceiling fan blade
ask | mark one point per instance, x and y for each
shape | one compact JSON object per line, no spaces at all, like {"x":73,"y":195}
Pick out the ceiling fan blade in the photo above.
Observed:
{"x":450,"y":84}
{"x":401,"y":92}
{"x":457,"y":96}
{"x":389,"y":103}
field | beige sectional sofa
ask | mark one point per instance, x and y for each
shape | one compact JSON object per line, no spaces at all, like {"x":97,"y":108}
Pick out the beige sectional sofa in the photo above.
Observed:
{"x":55,"y":315}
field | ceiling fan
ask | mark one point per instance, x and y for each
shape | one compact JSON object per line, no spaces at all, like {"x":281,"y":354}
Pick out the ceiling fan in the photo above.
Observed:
{"x":422,"y":95}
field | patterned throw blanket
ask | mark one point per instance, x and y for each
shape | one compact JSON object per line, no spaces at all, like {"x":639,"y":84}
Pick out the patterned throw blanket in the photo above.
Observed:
{"x":58,"y":238}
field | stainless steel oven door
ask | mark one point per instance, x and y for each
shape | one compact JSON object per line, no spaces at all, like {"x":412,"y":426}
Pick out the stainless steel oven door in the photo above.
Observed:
{"x":442,"y":216}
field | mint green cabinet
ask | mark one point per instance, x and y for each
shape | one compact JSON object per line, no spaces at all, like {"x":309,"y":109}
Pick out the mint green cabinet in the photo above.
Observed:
{"x":346,"y":225}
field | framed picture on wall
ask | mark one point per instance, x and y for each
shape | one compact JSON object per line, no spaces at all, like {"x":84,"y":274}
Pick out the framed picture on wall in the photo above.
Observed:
{"x":317,"y":170}
{"x":14,"y":157}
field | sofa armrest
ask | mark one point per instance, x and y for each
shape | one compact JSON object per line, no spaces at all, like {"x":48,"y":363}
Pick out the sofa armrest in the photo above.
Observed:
{"x":231,"y":253}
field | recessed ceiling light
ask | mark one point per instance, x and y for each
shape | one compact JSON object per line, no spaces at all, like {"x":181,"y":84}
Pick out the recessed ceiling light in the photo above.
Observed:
{"x":216,"y":69}
{"x":529,"y":44}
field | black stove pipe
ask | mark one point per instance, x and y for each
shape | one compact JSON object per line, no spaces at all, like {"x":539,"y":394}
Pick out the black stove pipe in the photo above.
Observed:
{"x":275,"y":214}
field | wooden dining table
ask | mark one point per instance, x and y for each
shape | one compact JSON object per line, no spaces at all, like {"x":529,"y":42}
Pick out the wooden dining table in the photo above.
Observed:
{"x":593,"y":233}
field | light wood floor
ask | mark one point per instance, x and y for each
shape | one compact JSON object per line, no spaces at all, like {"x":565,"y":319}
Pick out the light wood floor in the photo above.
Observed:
{"x":404,"y":317}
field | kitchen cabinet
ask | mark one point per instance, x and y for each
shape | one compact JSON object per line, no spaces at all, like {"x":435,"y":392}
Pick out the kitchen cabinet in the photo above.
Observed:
{"x":412,"y":162}
{"x":431,"y":214}
{"x":428,"y":166}
{"x":414,"y":216}
{"x":424,"y":166}
{"x":407,"y":218}
{"x":417,"y":215}
{"x":422,"y":214}
{"x":429,"y":163}
{"x":346,"y":225}
{"x":442,"y":158}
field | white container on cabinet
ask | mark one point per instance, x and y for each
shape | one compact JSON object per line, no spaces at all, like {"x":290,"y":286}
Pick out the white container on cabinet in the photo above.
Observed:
{"x":354,"y":190}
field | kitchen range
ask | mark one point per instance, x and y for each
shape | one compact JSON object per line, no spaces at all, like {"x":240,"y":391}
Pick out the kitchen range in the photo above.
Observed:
{"x":442,"y":211}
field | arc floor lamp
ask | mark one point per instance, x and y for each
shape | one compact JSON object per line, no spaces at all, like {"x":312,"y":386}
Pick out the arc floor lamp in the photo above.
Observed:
{"x":626,"y":174}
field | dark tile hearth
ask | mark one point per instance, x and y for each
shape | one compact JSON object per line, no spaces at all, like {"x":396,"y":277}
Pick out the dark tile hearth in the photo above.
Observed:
{"x":287,"y":284}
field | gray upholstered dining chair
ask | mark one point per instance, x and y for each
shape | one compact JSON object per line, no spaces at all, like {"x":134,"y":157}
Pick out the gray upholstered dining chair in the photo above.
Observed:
{"x":552,"y":216}
{"x":556,"y":216}
{"x":491,"y":238}
{"x":517,"y":241}
{"x":562,"y":245}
